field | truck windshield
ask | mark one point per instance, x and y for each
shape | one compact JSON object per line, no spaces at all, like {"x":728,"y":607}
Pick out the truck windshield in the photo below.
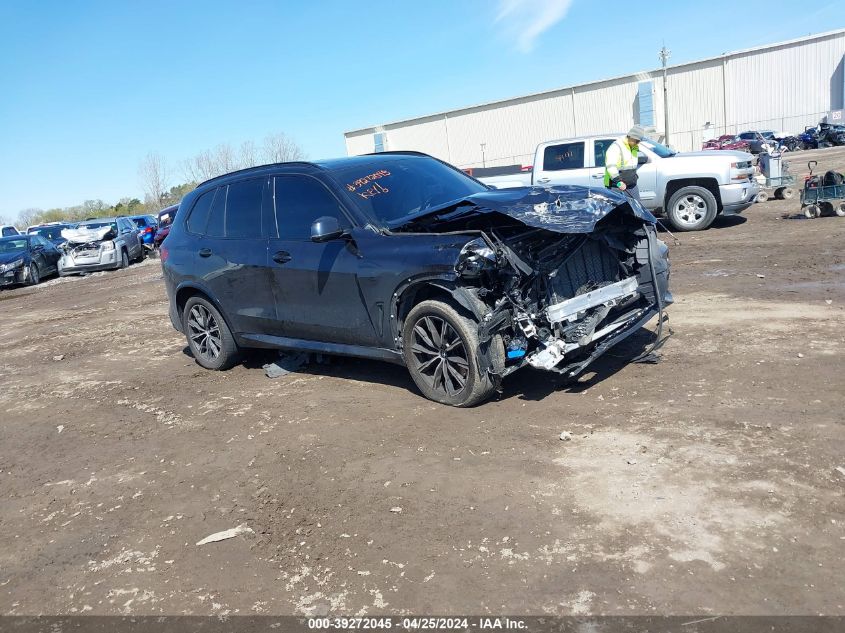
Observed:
{"x":658,"y":148}
{"x":394,"y":189}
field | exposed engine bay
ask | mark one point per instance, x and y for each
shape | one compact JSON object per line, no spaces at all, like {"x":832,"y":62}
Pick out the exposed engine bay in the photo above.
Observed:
{"x":560,"y":275}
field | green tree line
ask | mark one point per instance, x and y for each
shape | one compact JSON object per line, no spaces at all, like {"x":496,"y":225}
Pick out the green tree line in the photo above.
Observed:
{"x":100,"y":209}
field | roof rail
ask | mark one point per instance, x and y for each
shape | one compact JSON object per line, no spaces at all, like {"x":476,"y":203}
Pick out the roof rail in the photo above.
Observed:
{"x":254,"y":167}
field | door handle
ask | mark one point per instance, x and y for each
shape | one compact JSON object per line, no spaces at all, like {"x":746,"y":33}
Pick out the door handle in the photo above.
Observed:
{"x":597,"y":176}
{"x":281,"y":257}
{"x":543,"y":180}
{"x":205,"y":252}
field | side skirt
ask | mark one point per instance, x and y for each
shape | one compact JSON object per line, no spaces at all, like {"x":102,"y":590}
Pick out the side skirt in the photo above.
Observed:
{"x":268,"y":341}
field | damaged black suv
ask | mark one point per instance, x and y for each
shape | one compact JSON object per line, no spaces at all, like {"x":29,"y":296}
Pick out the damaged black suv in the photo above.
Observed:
{"x":401,"y":257}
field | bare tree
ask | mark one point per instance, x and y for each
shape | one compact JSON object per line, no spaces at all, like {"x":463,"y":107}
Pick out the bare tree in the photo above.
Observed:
{"x":279,"y":148}
{"x":27,"y":217}
{"x":248,"y":155}
{"x":153,"y":173}
{"x":200,"y":167}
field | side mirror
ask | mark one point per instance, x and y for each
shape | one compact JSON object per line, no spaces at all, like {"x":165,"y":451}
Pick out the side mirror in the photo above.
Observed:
{"x":325,"y":229}
{"x":642,"y":159}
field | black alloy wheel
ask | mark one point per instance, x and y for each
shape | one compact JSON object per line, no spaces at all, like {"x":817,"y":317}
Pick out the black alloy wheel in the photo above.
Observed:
{"x":204,"y":333}
{"x":440,"y":356}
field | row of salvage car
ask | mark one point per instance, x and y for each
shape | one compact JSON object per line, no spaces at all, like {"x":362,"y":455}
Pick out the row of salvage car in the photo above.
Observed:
{"x":68,"y":249}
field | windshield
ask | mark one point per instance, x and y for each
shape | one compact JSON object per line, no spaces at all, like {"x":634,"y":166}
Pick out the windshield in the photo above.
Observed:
{"x":141,"y":223}
{"x":50,"y":232}
{"x":657,"y":148}
{"x":99,"y":225}
{"x":12,"y":245}
{"x":393,"y":189}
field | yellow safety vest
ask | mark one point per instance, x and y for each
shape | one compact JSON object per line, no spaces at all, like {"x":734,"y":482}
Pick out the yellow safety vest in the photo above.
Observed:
{"x":618,"y":156}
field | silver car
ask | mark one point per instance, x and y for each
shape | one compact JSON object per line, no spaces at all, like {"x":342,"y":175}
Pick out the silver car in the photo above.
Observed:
{"x":101,"y":244}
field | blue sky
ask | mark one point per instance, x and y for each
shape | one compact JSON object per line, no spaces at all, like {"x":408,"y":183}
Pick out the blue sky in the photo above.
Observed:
{"x":89,"y":88}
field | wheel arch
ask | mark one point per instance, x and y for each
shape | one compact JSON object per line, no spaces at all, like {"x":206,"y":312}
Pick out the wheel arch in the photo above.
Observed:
{"x":711,"y":184}
{"x":414,"y":292}
{"x":188,"y":290}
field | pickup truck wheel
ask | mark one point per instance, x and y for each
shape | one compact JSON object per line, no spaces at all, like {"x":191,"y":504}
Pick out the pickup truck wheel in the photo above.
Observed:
{"x":441,"y":352}
{"x":209,"y":338}
{"x":691,"y":209}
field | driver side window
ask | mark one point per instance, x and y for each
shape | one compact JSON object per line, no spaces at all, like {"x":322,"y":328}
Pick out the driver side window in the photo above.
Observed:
{"x":299,"y":201}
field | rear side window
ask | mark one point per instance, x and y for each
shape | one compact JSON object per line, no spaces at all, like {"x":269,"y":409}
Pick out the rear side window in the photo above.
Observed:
{"x":299,"y":201}
{"x":217,"y":214}
{"x":243,"y":209}
{"x":601,"y":149}
{"x":8,"y":230}
{"x":198,"y":219}
{"x":565,"y":156}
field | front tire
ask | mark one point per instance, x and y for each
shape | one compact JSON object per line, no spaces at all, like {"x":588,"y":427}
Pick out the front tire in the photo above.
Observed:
{"x":691,"y":209}
{"x":124,"y":259}
{"x":442,"y":350}
{"x":33,"y":277}
{"x":209,"y":338}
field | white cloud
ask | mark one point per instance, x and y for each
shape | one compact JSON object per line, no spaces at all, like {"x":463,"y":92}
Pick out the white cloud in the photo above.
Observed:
{"x":526,"y":20}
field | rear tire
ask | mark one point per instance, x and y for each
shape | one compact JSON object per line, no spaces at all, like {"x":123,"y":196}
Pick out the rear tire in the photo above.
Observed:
{"x":826,"y":209}
{"x":441,"y":350}
{"x":209,"y":338}
{"x":691,"y":209}
{"x":840,"y":210}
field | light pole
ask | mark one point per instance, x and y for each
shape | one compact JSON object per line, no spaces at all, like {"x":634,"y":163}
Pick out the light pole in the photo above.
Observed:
{"x":664,"y":57}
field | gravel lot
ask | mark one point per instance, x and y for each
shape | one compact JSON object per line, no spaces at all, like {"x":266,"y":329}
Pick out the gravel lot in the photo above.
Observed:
{"x":705,"y":484}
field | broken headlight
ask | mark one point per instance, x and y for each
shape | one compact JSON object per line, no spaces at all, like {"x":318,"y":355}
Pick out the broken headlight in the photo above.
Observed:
{"x":107,"y":245}
{"x":11,"y":265}
{"x":476,"y":257}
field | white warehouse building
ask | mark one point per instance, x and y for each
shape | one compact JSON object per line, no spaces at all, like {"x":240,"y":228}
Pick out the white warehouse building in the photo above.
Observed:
{"x":785,"y":86}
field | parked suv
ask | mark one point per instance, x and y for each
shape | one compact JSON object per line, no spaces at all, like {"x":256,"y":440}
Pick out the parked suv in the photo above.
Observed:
{"x":400,"y":257}
{"x":101,"y":244}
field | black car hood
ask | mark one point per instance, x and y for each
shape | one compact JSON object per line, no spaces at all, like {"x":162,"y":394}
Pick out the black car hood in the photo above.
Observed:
{"x":562,"y":209}
{"x":5,"y":258}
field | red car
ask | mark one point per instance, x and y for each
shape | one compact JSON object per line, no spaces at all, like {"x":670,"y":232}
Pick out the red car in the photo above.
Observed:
{"x":165,"y":219}
{"x":727,"y":141}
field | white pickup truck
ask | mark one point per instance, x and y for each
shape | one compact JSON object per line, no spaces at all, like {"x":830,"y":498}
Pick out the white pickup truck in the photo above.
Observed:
{"x":690,"y":189}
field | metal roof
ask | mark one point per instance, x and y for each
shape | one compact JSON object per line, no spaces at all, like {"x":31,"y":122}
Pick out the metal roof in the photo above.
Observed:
{"x":444,"y":113}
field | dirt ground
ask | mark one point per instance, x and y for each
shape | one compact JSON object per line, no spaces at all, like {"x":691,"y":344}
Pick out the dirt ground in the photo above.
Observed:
{"x":705,"y":484}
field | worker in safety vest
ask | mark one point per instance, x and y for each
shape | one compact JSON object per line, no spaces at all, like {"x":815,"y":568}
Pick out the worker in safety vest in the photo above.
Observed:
{"x":620,"y":162}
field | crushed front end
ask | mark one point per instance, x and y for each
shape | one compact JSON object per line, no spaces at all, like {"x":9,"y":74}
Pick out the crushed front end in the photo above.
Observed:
{"x":88,"y":250}
{"x":563,"y":273}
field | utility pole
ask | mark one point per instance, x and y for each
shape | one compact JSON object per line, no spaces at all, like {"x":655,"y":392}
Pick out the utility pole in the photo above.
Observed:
{"x":483,"y":160}
{"x":664,"y":57}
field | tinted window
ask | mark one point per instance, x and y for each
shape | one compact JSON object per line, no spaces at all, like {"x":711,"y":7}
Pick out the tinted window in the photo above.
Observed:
{"x":299,"y":201}
{"x":198,"y":218}
{"x":217,"y":215}
{"x":601,"y":149}
{"x":243,"y":209}
{"x":141,"y":223}
{"x":566,"y":156}
{"x":8,"y":230}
